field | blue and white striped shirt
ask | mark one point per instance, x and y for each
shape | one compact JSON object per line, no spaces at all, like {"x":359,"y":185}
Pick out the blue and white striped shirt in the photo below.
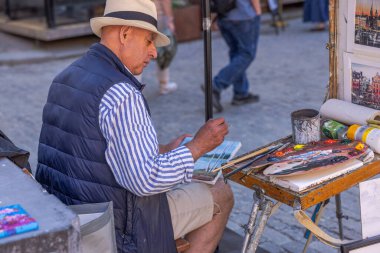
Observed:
{"x":132,"y":147}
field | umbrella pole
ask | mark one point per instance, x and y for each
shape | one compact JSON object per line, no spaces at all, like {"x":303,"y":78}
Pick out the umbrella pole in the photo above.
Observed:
{"x":206,"y":27}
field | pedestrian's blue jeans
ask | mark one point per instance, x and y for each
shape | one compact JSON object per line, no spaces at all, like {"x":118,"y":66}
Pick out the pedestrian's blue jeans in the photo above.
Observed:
{"x":241,"y":37}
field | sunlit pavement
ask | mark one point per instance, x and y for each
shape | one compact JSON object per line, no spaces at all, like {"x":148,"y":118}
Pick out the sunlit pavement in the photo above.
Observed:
{"x":289,"y":73}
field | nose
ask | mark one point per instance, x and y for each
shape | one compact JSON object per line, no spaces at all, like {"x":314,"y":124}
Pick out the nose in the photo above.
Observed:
{"x":153,"y":51}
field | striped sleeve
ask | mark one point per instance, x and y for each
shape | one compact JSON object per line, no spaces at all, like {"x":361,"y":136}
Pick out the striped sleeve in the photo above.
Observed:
{"x":132,"y":147}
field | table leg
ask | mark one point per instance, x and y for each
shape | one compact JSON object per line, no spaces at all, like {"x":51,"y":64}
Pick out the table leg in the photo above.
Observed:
{"x":339,"y":215}
{"x":254,"y":230}
{"x":255,"y":239}
{"x":250,"y":226}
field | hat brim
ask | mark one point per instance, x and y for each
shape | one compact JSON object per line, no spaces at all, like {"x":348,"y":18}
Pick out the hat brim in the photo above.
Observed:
{"x":98,"y":23}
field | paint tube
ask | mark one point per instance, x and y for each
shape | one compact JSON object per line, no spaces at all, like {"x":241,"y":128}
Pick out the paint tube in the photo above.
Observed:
{"x":334,"y":130}
{"x":369,"y":135}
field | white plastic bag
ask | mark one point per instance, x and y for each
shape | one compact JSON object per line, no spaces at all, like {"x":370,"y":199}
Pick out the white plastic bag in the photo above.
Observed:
{"x":96,"y":227}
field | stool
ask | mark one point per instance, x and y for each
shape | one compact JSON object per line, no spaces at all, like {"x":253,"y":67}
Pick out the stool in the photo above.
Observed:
{"x":182,"y":245}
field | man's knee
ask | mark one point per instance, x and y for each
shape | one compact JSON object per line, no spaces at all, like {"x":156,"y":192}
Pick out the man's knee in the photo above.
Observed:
{"x":223,"y":195}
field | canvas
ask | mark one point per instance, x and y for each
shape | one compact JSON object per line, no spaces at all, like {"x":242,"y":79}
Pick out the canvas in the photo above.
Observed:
{"x":204,"y":166}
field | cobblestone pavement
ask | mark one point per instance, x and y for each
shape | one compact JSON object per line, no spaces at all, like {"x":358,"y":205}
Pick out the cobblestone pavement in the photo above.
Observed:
{"x":290,"y":72}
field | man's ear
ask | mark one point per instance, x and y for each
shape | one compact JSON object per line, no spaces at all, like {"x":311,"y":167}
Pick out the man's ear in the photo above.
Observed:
{"x":124,"y":33}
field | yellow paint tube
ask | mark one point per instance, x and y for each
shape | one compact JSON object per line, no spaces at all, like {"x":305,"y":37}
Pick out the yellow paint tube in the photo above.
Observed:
{"x":366,"y":134}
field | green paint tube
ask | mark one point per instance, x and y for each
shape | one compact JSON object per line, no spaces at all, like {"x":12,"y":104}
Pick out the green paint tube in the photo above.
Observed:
{"x":334,"y":130}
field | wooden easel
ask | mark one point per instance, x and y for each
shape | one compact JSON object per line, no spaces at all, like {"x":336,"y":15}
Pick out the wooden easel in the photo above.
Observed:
{"x":263,"y":206}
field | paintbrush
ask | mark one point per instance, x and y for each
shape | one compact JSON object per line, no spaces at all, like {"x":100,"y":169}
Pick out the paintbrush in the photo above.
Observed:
{"x":219,"y":158}
{"x":209,"y":162}
{"x":244,"y":166}
{"x":277,"y":147}
{"x":248,"y":156}
{"x":374,"y":125}
{"x":372,"y":121}
{"x":26,"y":171}
{"x":259,"y":167}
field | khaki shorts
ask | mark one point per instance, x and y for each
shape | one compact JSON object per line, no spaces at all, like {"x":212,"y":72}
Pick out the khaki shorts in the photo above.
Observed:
{"x":191,"y":206}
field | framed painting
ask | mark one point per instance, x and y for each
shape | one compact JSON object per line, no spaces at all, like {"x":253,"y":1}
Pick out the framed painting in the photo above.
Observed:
{"x":362,"y":80}
{"x":363,"y":26}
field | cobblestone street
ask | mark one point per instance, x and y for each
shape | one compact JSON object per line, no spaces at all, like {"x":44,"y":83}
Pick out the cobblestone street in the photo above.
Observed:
{"x":290,"y":73}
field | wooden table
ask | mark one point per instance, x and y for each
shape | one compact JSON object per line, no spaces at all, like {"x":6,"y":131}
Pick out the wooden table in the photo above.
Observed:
{"x":265,"y":189}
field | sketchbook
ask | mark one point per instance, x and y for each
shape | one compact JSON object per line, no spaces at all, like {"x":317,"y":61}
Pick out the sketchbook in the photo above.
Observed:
{"x":14,"y":220}
{"x":212,"y":160}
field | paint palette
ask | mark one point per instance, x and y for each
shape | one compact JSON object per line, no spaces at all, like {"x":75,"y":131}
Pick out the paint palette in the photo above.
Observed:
{"x":300,"y":159}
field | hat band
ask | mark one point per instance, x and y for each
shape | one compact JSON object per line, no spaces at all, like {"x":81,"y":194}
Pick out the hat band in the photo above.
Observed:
{"x":133,"y":15}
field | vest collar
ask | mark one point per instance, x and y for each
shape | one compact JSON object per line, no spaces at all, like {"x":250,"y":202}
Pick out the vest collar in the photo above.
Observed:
{"x":110,"y":57}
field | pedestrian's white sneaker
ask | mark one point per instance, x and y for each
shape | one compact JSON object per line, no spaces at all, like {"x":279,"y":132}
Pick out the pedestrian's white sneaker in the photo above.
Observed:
{"x":168,"y":88}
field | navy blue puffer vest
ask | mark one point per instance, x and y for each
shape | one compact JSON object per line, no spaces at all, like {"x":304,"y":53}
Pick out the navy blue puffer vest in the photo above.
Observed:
{"x":71,"y":154}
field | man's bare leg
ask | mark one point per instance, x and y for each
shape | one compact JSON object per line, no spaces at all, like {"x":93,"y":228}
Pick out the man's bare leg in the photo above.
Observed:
{"x":206,"y":238}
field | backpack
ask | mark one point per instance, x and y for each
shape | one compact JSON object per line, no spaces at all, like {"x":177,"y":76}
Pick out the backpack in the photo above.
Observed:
{"x":166,"y":54}
{"x":18,"y":156}
{"x":222,"y":7}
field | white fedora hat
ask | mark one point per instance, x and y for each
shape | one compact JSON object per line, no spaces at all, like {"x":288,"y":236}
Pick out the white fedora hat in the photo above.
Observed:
{"x":137,"y":13}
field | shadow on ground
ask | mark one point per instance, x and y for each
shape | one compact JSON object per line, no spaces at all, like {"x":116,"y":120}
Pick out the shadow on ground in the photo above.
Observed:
{"x":233,"y":242}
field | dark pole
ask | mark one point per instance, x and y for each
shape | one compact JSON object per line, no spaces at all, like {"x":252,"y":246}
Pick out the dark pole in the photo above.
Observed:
{"x":339,"y":215}
{"x":206,"y":27}
{"x":7,"y":8}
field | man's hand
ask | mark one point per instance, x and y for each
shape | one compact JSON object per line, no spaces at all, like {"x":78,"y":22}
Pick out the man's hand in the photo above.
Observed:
{"x":208,"y":137}
{"x":257,"y":7}
{"x":170,"y":24}
{"x":173,"y":144}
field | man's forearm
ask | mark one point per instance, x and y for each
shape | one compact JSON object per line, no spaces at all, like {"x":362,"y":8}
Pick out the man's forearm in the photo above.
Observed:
{"x":256,"y":6}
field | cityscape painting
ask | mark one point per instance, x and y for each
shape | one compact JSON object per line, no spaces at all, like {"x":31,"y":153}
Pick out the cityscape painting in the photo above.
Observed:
{"x":367,"y":23}
{"x":365,"y":85}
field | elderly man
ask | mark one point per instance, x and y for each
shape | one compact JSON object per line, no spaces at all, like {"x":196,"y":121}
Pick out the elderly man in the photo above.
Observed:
{"x":98,"y":143}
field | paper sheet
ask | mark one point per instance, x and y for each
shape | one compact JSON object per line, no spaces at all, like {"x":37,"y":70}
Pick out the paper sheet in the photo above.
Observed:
{"x":369,"y":207}
{"x":348,"y":113}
